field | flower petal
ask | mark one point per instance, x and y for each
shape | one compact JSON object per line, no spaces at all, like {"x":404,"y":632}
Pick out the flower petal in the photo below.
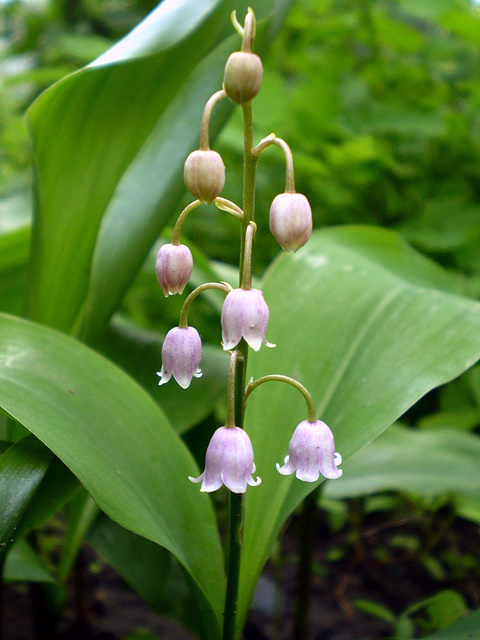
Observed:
{"x":254,"y":483}
{"x":210,"y":485}
{"x":308,"y":474}
{"x":235,"y":484}
{"x":253,"y":338}
{"x":199,"y":479}
{"x":230,"y":342}
{"x":164,"y":376}
{"x":288,"y":467}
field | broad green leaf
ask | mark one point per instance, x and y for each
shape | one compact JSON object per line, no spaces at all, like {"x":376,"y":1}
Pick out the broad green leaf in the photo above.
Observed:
{"x":369,"y":326}
{"x":23,"y":565}
{"x":375,"y":609}
{"x":116,"y":440}
{"x":430,"y":9}
{"x":82,"y":513}
{"x":444,"y":225}
{"x":144,"y":565}
{"x":439,"y":611}
{"x":110,"y":142}
{"x":4,"y":445}
{"x":14,"y":245}
{"x":22,"y":468}
{"x":56,"y":488}
{"x":433,"y":463}
{"x":139,"y":353}
{"x":467,"y":628}
{"x":465,"y":24}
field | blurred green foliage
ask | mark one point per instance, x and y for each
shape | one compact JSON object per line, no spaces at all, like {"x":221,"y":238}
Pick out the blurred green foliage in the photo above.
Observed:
{"x":40,"y":42}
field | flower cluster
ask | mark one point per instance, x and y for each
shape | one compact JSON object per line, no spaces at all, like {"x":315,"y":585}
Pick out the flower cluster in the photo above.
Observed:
{"x":245,"y":314}
{"x":229,"y":457}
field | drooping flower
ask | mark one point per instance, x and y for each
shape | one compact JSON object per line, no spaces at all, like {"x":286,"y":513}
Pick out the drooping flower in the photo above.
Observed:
{"x":291,"y":220}
{"x":181,"y":355}
{"x":311,"y":451}
{"x":244,"y":315}
{"x":228,"y":461}
{"x":173,"y":268}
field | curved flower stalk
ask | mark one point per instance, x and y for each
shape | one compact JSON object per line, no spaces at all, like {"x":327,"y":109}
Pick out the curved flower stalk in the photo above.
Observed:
{"x":312,"y":451}
{"x":228,"y":461}
{"x":290,"y":213}
{"x":181,"y":355}
{"x":245,"y":315}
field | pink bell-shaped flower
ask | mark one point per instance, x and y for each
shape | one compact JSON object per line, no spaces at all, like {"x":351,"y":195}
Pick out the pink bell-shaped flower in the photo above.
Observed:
{"x":228,"y":461}
{"x":181,"y":355}
{"x":311,"y":451}
{"x":244,"y":315}
{"x":173,"y":268}
{"x":291,"y":220}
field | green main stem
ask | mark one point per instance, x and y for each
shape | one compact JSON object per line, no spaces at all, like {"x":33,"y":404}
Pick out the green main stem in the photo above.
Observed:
{"x":236,"y":501}
{"x":249,"y":176}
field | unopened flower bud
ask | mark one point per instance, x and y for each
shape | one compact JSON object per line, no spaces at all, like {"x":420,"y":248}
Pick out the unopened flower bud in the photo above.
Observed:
{"x":243,"y":76}
{"x":204,"y":174}
{"x":244,"y":315}
{"x":173,"y":268}
{"x":181,"y":355}
{"x":291,"y":220}
{"x":228,"y":461}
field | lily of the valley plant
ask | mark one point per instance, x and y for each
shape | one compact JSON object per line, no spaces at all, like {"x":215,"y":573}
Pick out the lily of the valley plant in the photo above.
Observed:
{"x":230,"y":455}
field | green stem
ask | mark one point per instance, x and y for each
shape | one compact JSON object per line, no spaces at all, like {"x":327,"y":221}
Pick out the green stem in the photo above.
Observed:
{"x":247,"y":263}
{"x":181,"y":219}
{"x":235,"y":537}
{"x":230,"y":207}
{"x":2,"y":598}
{"x":236,"y":24}
{"x":207,"y":112}
{"x":249,"y":31}
{"x":312,"y":414}
{"x":289,"y":168}
{"x":235,"y":358}
{"x":222,"y":203}
{"x":223,"y":286}
{"x":237,"y":374}
{"x":236,"y":499}
{"x":307,"y":547}
{"x":249,"y":175}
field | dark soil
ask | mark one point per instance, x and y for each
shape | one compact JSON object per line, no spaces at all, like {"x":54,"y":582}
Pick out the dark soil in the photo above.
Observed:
{"x":393,"y":562}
